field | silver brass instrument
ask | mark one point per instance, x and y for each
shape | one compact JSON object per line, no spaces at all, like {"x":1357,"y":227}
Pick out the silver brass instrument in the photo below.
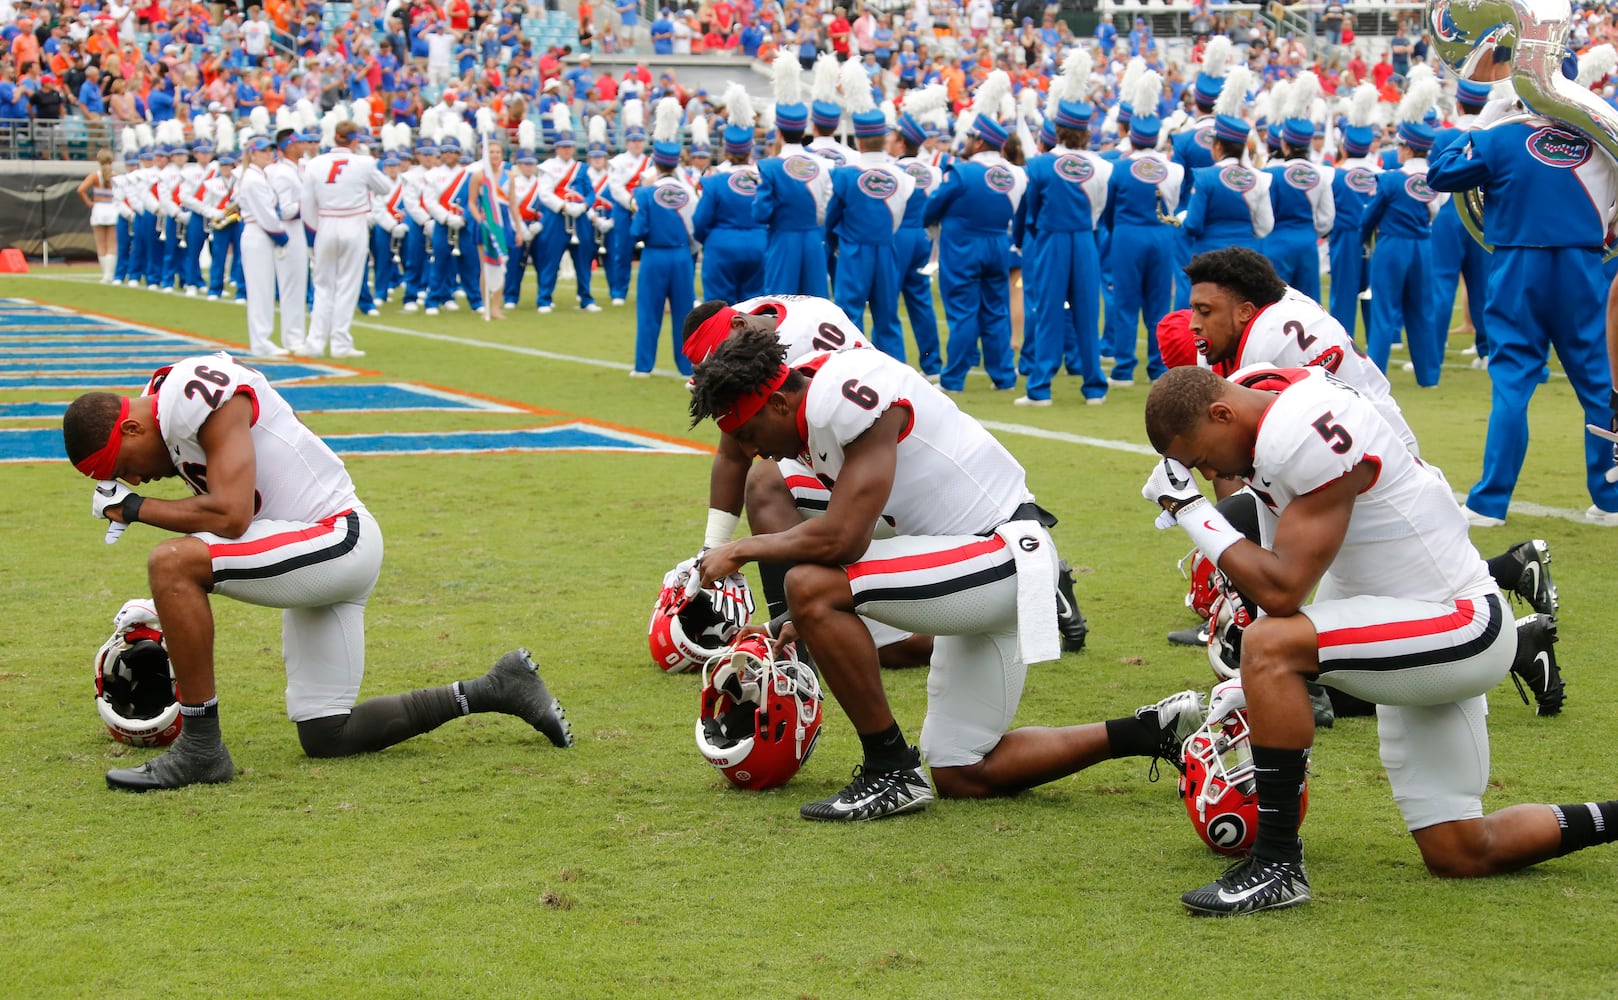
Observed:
{"x":1466,"y":31}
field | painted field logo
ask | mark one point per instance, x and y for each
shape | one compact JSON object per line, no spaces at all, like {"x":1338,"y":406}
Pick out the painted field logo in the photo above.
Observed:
{"x":878,"y":184}
{"x":1416,"y":187}
{"x":1001,"y":179}
{"x":1360,"y":180}
{"x":671,"y":196}
{"x":1238,"y":179}
{"x":744,"y":182}
{"x":801,"y":168}
{"x":1302,"y":176}
{"x":923,"y":176}
{"x":1075,"y":169}
{"x":1203,"y":137}
{"x":1557,"y":147}
{"x":1149,"y":171}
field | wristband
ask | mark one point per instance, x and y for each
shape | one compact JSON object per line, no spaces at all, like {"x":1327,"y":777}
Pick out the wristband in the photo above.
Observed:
{"x":776,"y":624}
{"x":130,"y":508}
{"x":721,"y":525}
{"x":1209,"y":530}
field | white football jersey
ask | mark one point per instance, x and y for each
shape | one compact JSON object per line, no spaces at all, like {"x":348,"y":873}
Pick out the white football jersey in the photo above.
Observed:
{"x":297,"y":478}
{"x":952,"y":476}
{"x":1296,"y":332}
{"x":806,"y":324}
{"x":1407,"y":536}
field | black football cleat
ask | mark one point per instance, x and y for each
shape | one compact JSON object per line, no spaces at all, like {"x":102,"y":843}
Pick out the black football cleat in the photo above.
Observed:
{"x":1069,"y":619}
{"x":1196,"y":636}
{"x":515,"y":688}
{"x":187,"y":762}
{"x":874,"y":795}
{"x":1534,"y":668}
{"x":1249,"y":886}
{"x":1175,"y":717}
{"x":1535,"y":585}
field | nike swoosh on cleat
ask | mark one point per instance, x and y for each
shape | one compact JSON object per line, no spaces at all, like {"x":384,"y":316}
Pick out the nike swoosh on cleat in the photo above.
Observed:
{"x":1542,"y":660}
{"x":1234,"y":898}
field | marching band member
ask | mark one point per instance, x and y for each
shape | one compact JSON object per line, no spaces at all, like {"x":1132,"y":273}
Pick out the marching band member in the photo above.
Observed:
{"x":492,"y":214}
{"x":336,"y":202}
{"x":99,"y":193}
{"x":662,"y":224}
{"x":173,"y":153}
{"x":629,"y":170}
{"x":1230,"y":201}
{"x":732,"y":243}
{"x":975,"y":205}
{"x":148,"y":245}
{"x":265,"y":244}
{"x":1353,"y":184}
{"x":123,"y":186}
{"x":187,"y":193}
{"x":455,"y":237}
{"x":224,"y":225}
{"x":793,"y":188}
{"x":866,"y":207}
{"x":387,"y":232}
{"x":520,"y":195}
{"x":594,"y":227}
{"x":418,"y":242}
{"x":912,"y":246}
{"x":1400,"y":216}
{"x":1193,"y":148}
{"x":563,"y":204}
{"x":1455,"y":253}
{"x":1300,"y":193}
{"x":291,"y":266}
{"x":1143,"y":190}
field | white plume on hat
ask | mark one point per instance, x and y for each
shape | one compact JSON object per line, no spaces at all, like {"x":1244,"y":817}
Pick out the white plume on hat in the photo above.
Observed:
{"x":430,"y":126}
{"x":1216,"y":55}
{"x":596,"y":132}
{"x":307,"y":116}
{"x":1148,"y":91}
{"x":259,"y":118}
{"x":1073,"y":83}
{"x":1420,"y":97}
{"x":527,"y":135}
{"x":127,"y":141}
{"x":1362,"y":106}
{"x":666,"y":120}
{"x":202,"y":127}
{"x":699,"y":131}
{"x":856,"y":88}
{"x":634,"y":114}
{"x":738,"y":106}
{"x":143,"y":134}
{"x":1028,"y":104}
{"x":359,"y":110}
{"x":224,"y":135}
{"x":1597,"y":63}
{"x":1300,"y":101}
{"x":561,"y":118}
{"x":1233,"y":95}
{"x":1132,"y":71}
{"x":823,"y":86}
{"x":786,"y":80}
{"x":286,"y":118}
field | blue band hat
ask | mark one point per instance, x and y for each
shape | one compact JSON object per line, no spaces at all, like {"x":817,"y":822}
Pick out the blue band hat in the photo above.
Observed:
{"x":426,"y":149}
{"x":1357,"y":140}
{"x":1047,"y":134}
{"x":914,"y":132}
{"x":824,"y":114}
{"x":202,"y":146}
{"x":1073,"y":114}
{"x":990,"y":131}
{"x":1474,"y":94}
{"x":1143,"y":131}
{"x":526,"y":155}
{"x":1418,"y":137}
{"x":666,"y":154}
{"x":1207,"y":90}
{"x":1297,"y":131}
{"x":449,"y":144}
{"x":1231,"y":129}
{"x":564,"y":139}
{"x":792,"y":117}
{"x":635,"y":133}
{"x":131,"y":158}
{"x":870,"y":123}
{"x":260,"y":143}
{"x":389,"y":159}
{"x":147,"y":152}
{"x":228,"y":159}
{"x":1126,"y":113}
{"x":738,"y":139}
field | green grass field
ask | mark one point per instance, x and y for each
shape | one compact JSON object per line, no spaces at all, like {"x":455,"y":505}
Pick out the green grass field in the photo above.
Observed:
{"x":479,"y":861}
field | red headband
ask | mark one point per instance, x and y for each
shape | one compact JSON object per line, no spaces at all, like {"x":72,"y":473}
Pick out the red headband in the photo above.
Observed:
{"x":747,"y":407}
{"x":705,"y":338}
{"x":99,"y":465}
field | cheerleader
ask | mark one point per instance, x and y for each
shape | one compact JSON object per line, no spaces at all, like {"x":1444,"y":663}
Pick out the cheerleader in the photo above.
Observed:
{"x":97,"y":192}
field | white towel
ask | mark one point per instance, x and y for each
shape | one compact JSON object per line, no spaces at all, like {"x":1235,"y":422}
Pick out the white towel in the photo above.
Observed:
{"x":1035,"y":557}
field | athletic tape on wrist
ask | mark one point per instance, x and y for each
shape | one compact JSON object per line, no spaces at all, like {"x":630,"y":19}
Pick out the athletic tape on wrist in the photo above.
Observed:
{"x":1209,"y":530}
{"x":721,"y":526}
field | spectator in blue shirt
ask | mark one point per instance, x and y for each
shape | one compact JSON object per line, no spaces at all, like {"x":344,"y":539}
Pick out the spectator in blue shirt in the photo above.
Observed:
{"x":91,"y":104}
{"x":1106,"y":36}
{"x":663,"y":34}
{"x":1139,"y":37}
{"x":751,"y":38}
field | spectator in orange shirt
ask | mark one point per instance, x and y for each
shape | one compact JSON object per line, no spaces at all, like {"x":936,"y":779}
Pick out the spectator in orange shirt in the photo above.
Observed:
{"x":25,"y":47}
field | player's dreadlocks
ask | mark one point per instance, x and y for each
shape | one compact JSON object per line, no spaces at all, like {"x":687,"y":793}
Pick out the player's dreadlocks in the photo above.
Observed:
{"x":745,"y":361}
{"x":1179,"y":402}
{"x":1246,"y":274}
{"x":88,"y":423}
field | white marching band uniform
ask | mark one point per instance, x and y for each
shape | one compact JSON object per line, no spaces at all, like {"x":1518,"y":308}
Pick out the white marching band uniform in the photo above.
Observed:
{"x":336,"y":203}
{"x":262,"y":260}
{"x":292,"y":265}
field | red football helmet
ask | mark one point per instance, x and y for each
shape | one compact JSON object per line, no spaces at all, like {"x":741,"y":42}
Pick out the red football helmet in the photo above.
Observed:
{"x":135,"y":691}
{"x":1205,"y":583}
{"x":760,"y":714}
{"x":1218,"y":787}
{"x":1229,"y":617}
{"x":685,"y":630}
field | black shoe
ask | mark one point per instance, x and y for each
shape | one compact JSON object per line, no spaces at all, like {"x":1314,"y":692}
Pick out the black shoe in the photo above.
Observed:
{"x":1248,"y":886}
{"x":875,"y":795}
{"x":1535,"y":586}
{"x":1175,"y":718}
{"x":187,"y":762}
{"x":515,"y":688}
{"x":1535,"y":667}
{"x":1320,"y":702}
{"x":1195,"y":636}
{"x":1069,"y":619}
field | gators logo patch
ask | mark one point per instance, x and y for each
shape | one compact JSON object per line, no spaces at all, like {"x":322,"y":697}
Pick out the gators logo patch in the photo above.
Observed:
{"x":1203,"y":137}
{"x":1360,"y":180}
{"x":1075,"y":169}
{"x":922,"y":176}
{"x":1302,"y":176}
{"x":878,"y":184}
{"x":744,"y":182}
{"x":1416,"y":187}
{"x":1556,"y":147}
{"x":802,"y":168}
{"x":671,"y":196}
{"x":1238,"y":178}
{"x":828,"y":153}
{"x":1000,"y":178}
{"x":1148,"y":170}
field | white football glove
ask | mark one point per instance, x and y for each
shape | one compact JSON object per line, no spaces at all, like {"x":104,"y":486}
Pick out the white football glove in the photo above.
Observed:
{"x":733,"y":600}
{"x":1225,"y":698}
{"x":1173,"y":482}
{"x":533,"y":229}
{"x":137,"y":612}
{"x":108,"y":493}
{"x":684,"y":576}
{"x":455,"y":222}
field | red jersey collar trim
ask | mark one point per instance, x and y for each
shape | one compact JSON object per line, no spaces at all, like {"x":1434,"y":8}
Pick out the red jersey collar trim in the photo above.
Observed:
{"x":1241,"y":344}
